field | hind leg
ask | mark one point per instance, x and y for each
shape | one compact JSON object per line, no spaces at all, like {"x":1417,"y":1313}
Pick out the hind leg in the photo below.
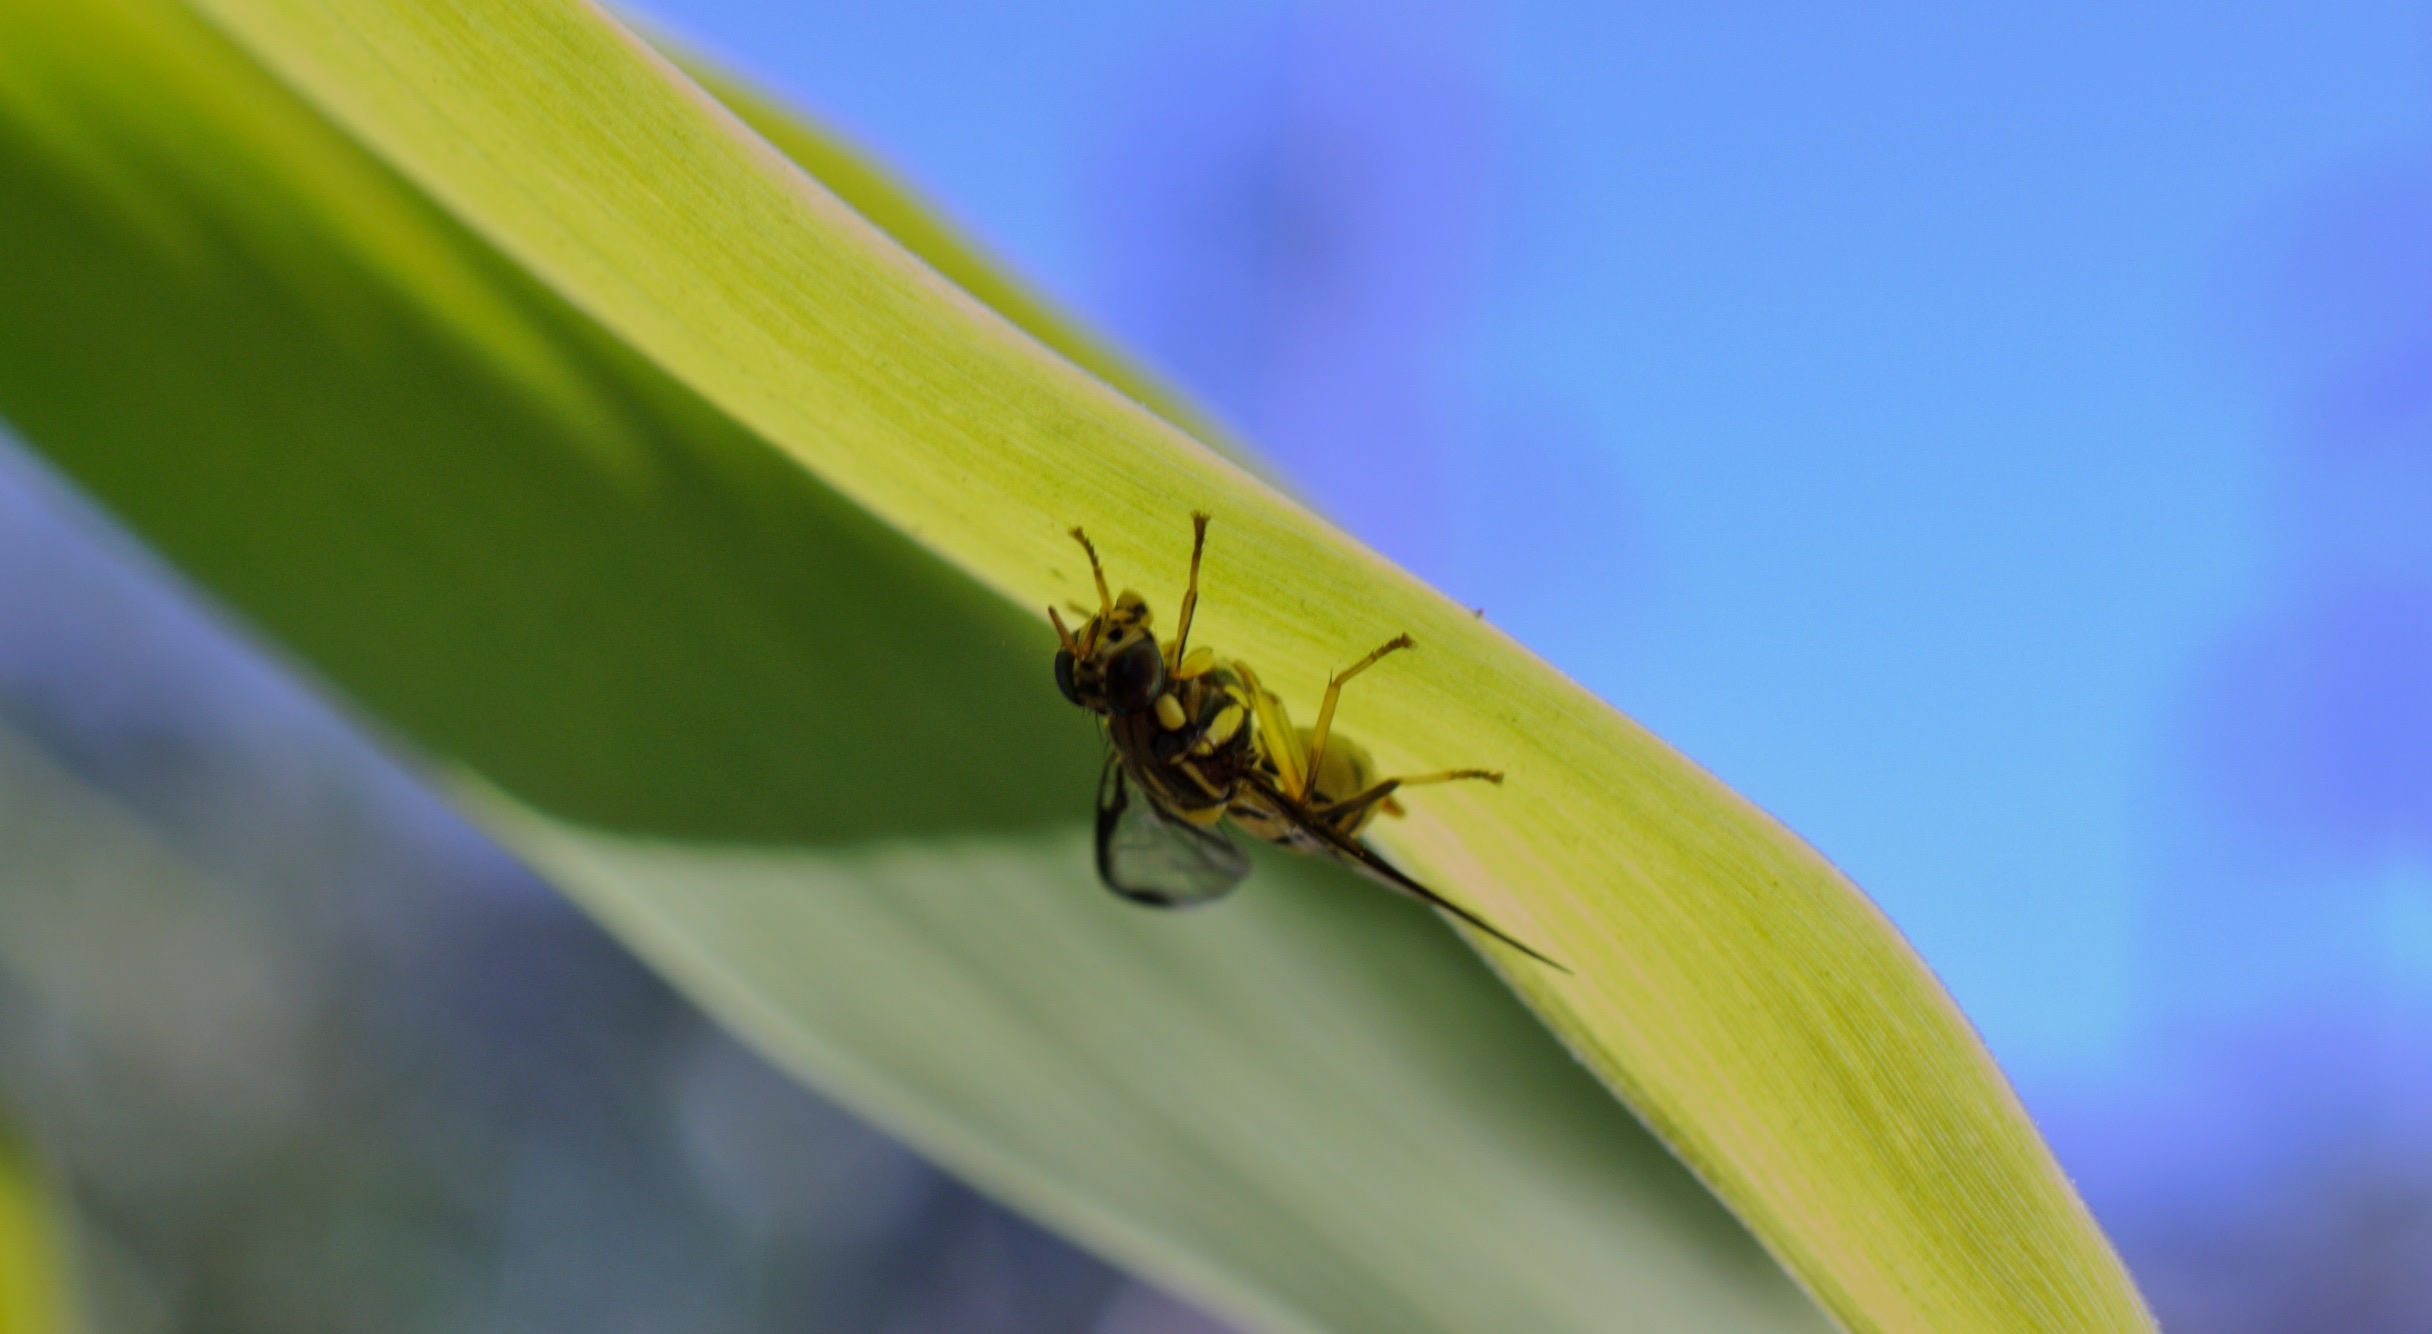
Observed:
{"x":1353,"y":811}
{"x":1325,"y":710}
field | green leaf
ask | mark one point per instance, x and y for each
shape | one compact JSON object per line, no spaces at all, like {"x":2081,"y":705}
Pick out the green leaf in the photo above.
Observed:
{"x":917,"y":227}
{"x":648,"y":570}
{"x":510,"y":539}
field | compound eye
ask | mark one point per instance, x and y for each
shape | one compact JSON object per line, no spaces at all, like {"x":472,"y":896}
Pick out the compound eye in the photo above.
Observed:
{"x":1064,"y":675}
{"x":1135,"y":676}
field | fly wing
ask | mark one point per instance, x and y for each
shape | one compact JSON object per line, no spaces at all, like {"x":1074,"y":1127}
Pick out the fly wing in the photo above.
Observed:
{"x":1150,"y":857}
{"x":1357,"y":855}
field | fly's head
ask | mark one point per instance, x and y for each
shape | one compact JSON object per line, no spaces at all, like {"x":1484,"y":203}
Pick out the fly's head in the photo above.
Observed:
{"x":1112,"y":664}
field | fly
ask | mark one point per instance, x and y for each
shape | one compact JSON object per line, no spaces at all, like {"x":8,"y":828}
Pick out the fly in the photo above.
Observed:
{"x":1197,"y":740}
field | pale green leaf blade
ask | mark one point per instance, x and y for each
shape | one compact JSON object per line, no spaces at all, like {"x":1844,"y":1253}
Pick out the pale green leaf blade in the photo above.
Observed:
{"x":523,"y":548}
{"x":918,"y":227}
{"x":1748,"y":1000}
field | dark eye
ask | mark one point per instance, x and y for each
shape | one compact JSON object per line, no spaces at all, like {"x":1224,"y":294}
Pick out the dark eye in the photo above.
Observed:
{"x":1134,"y":676}
{"x":1064,"y":675}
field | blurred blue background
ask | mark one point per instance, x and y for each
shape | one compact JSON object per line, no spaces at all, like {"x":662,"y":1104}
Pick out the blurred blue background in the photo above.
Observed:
{"x":1997,"y":439}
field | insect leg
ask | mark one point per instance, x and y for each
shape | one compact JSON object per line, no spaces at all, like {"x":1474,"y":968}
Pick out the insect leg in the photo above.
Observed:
{"x":1190,"y":594}
{"x":1325,"y":711}
{"x":1360,"y":855}
{"x":1334,"y":812}
{"x":1281,"y":740}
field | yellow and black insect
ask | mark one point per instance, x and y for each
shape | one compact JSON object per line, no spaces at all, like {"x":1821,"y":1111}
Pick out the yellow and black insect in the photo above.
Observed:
{"x":1202,"y":741}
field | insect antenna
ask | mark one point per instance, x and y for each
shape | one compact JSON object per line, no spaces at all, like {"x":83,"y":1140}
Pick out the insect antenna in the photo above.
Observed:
{"x":1106,"y":600}
{"x":1070,"y":645}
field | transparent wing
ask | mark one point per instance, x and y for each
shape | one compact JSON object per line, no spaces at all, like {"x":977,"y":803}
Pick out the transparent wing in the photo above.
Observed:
{"x":1150,"y":857}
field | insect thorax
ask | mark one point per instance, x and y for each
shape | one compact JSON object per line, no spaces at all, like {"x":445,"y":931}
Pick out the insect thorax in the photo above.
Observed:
{"x":1193,"y":770}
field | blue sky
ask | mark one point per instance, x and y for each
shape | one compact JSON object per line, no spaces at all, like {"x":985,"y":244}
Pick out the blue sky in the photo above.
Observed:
{"x":1920,"y":354}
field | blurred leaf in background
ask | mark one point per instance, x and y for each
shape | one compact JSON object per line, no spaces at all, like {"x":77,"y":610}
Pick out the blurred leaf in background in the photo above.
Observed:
{"x":34,"y":1287}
